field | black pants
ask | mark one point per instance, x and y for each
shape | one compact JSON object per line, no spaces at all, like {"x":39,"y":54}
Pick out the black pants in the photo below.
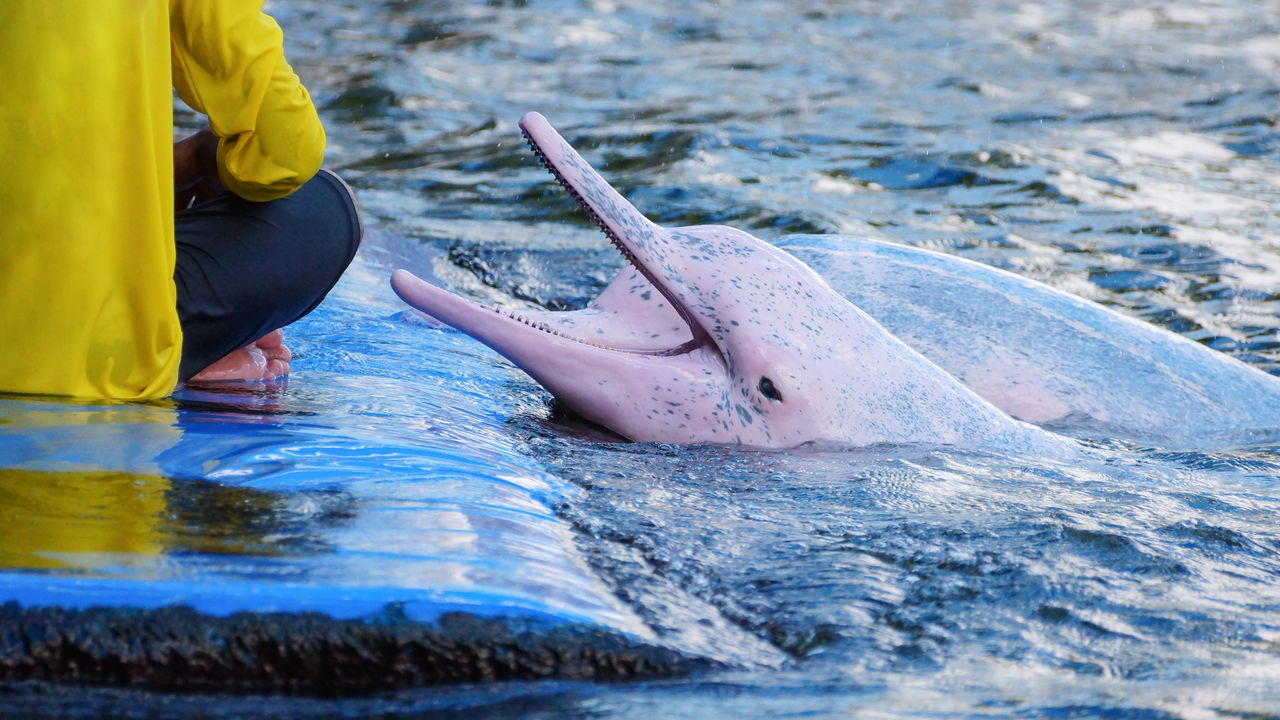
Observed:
{"x":245,"y":268}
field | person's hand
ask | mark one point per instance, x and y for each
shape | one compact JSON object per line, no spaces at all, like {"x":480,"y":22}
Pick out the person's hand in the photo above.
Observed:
{"x":264,"y":359}
{"x":195,"y":169}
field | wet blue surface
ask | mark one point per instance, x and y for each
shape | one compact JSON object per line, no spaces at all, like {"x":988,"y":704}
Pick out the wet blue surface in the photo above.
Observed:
{"x":1124,"y":152}
{"x":337,"y":491}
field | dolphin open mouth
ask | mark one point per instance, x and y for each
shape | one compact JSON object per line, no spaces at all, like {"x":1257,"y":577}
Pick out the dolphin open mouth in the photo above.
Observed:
{"x":617,"y":218}
{"x":634,"y":236}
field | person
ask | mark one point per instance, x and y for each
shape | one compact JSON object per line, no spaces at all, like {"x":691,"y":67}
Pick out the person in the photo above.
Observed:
{"x":128,"y":263}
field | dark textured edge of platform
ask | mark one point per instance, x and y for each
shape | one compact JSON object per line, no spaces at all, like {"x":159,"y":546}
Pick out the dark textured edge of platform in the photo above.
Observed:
{"x":179,"y":649}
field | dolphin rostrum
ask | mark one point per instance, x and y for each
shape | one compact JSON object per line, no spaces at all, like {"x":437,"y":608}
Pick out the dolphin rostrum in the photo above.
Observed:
{"x":717,"y":337}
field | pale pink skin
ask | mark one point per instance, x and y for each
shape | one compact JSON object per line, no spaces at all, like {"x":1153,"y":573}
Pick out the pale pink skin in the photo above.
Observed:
{"x":267,"y":358}
{"x":677,"y":349}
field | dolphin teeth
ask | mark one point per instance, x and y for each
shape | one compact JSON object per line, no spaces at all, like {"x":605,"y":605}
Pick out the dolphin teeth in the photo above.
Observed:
{"x":599,"y":223}
{"x":582,"y":203}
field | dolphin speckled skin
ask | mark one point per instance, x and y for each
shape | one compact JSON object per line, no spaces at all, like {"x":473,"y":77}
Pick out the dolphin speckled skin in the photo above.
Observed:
{"x":718,"y":337}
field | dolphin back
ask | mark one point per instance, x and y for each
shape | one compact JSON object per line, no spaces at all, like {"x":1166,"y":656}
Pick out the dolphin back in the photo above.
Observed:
{"x":1045,"y":356}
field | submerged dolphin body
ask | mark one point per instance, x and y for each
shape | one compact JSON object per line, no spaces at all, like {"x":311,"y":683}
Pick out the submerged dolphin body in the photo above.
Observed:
{"x":1049,"y":357}
{"x":718,"y":337}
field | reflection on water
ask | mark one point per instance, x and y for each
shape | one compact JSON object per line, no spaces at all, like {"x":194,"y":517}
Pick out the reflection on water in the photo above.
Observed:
{"x":215,"y":519}
{"x":80,"y":520}
{"x":86,"y":520}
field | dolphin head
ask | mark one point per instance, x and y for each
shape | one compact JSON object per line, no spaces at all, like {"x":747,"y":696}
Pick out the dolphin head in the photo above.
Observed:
{"x":710,"y":336}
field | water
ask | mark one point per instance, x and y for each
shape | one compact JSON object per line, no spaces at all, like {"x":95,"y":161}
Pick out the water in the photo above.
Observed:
{"x":1124,"y":152}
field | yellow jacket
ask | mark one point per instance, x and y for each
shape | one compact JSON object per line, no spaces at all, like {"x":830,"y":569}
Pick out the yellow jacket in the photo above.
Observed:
{"x":87,"y":300}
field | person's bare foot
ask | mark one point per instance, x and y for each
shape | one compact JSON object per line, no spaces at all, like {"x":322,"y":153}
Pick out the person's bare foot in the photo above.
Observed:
{"x":266,"y":358}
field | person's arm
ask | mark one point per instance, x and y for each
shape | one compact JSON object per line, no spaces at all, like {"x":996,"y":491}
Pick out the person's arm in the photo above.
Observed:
{"x":228,"y":62}
{"x":195,"y":169}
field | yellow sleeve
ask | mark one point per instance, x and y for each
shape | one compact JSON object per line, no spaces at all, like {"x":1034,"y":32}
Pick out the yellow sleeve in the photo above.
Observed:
{"x":228,"y":63}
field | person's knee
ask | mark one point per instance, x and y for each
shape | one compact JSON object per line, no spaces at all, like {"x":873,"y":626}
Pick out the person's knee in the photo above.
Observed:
{"x":346,"y":205}
{"x":337,"y":234}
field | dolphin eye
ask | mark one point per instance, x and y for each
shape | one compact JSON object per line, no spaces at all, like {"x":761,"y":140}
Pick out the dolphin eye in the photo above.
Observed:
{"x":768,"y":390}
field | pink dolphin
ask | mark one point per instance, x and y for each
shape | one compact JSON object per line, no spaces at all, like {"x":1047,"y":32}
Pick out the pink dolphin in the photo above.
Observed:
{"x":717,"y":337}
